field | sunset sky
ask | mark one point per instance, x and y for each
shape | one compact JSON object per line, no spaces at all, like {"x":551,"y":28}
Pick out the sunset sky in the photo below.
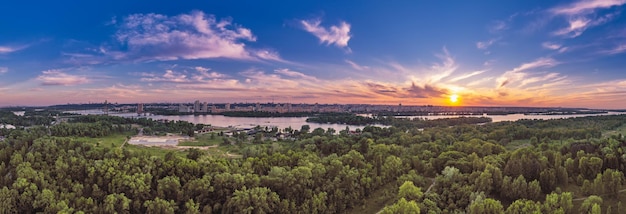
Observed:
{"x":483,"y":53}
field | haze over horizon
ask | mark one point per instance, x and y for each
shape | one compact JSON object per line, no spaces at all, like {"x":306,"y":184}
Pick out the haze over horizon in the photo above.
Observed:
{"x":491,"y":53}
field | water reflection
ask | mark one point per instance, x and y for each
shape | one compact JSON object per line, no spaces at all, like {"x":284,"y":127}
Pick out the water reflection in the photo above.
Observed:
{"x":298,"y":122}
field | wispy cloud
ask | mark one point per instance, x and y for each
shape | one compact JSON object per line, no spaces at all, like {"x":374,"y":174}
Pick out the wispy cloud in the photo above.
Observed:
{"x":554,"y":46}
{"x":468,"y":75}
{"x":295,"y":74}
{"x":4,"y":70}
{"x":443,"y":69}
{"x":576,"y":27}
{"x":425,"y":91}
{"x":337,"y":35}
{"x":58,"y":77}
{"x":485,"y":44}
{"x":517,"y":74}
{"x":412,"y":91}
{"x":621,"y":48}
{"x":582,"y":15}
{"x":586,"y":6}
{"x":551,"y":46}
{"x":195,"y":35}
{"x":11,"y":49}
{"x":357,"y":66}
{"x":498,"y":26}
{"x":200,"y":75}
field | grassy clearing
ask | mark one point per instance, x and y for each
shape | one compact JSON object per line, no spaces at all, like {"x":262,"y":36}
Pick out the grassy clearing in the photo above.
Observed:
{"x":377,"y":200}
{"x":516,"y":144}
{"x":606,"y":202}
{"x":116,"y":141}
{"x":111,"y":141}
{"x":618,"y":130}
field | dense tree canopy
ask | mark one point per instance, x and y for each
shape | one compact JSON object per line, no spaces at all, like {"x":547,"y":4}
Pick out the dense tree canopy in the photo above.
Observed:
{"x":441,"y":169}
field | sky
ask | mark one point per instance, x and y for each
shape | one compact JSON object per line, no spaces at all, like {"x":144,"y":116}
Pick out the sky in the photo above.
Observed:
{"x":481,"y":53}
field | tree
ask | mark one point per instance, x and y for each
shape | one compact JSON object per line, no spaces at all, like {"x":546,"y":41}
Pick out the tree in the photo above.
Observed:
{"x":159,"y":206}
{"x":558,"y":202}
{"x":402,"y":206}
{"x":590,"y":167}
{"x":305,"y":129}
{"x":258,"y":138}
{"x":595,"y":209}
{"x":191,"y":207}
{"x":487,"y":206}
{"x":254,"y":200}
{"x":169,"y":188}
{"x":589,"y":203}
{"x":523,"y":206}
{"x":194,"y":153}
{"x":116,"y":203}
{"x":484,"y":182}
{"x":410,"y":191}
{"x":7,"y":200}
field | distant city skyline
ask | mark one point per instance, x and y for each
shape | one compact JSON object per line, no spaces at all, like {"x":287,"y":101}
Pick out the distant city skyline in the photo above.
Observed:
{"x":444,"y":53}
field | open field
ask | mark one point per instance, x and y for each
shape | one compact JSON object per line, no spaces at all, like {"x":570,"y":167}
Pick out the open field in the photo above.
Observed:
{"x":203,"y":140}
{"x":516,"y":144}
{"x":156,"y":149}
{"x":157,"y":140}
{"x":618,"y":130}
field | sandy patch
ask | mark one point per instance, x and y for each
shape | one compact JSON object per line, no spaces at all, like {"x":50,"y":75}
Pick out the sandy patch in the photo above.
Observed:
{"x":157,"y":140}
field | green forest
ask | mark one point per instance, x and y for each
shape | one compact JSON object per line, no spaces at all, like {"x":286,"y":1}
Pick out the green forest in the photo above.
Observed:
{"x":571,"y":165}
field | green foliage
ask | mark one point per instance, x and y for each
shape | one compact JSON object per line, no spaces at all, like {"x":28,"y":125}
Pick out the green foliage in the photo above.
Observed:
{"x":524,"y":206}
{"x":255,"y":200}
{"x":440,"y":169}
{"x":555,"y":203}
{"x":410,"y":191}
{"x":487,"y":206}
{"x":591,"y":204}
{"x":402,"y":206}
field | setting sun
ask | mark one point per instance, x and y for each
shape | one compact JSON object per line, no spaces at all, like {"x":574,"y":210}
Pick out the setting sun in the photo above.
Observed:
{"x":454,"y":98}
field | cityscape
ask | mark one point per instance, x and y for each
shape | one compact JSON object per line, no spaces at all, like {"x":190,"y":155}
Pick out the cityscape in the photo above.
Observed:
{"x":198,"y":107}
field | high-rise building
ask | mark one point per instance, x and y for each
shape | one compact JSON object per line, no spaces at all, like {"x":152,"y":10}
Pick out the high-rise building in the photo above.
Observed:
{"x":227,"y":107}
{"x":196,"y":106}
{"x":140,"y":108}
{"x":205,"y":107}
{"x":106,"y":107}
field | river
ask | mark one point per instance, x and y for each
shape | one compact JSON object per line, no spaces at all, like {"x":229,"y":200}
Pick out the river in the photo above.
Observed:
{"x":298,"y":122}
{"x":514,"y":117}
{"x":236,"y":122}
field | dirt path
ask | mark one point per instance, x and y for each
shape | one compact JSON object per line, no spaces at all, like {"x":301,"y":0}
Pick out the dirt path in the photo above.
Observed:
{"x":431,"y":186}
{"x":583,"y":198}
{"x":185,"y":147}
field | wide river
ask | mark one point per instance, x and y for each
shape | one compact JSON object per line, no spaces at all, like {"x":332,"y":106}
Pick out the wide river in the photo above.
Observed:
{"x":298,"y":122}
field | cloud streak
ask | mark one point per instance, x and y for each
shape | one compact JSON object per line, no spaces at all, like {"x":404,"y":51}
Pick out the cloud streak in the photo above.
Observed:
{"x":11,"y":49}
{"x":357,"y":66}
{"x":58,"y":77}
{"x":468,"y":75}
{"x":518,"y":74}
{"x":586,"y":6}
{"x":338,"y":35}
{"x":483,"y":45}
{"x":4,"y":70}
{"x":581,"y":15}
{"x":621,"y":48}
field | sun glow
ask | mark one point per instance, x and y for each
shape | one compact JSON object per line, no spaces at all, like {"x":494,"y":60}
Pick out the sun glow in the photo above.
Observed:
{"x":454,"y":99}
